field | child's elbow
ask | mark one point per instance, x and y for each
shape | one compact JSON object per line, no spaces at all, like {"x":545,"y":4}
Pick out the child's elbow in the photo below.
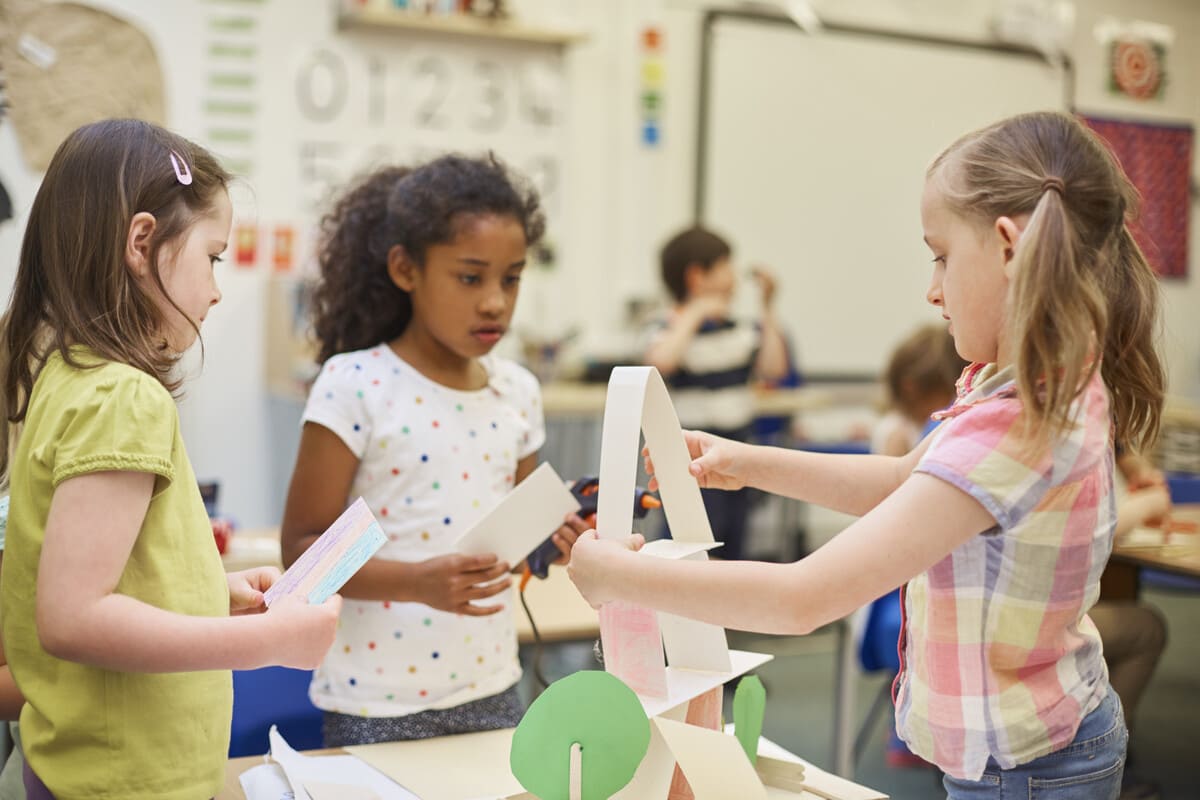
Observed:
{"x":58,"y":636}
{"x":799,"y":625}
{"x":58,"y":643}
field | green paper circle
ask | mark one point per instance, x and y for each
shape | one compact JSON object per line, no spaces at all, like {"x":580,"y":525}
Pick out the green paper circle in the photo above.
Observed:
{"x":594,"y":709}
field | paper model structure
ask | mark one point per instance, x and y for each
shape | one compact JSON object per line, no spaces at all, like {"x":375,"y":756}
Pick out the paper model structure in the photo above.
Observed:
{"x":685,"y":685}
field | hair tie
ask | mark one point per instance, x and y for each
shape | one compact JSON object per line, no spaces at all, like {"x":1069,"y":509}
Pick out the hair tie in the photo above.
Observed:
{"x":1056,"y":183}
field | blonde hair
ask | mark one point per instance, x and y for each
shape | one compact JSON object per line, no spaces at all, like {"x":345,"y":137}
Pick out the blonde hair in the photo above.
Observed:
{"x":1083,"y":297}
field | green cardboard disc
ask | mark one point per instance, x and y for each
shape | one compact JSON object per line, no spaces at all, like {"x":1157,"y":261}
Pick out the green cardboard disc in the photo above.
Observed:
{"x":594,"y":709}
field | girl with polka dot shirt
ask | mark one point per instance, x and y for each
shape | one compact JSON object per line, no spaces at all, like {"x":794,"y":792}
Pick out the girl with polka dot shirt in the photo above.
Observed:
{"x":419,"y":277}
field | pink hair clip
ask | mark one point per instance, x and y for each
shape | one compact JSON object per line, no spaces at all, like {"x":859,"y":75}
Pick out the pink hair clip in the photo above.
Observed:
{"x":181,"y":169}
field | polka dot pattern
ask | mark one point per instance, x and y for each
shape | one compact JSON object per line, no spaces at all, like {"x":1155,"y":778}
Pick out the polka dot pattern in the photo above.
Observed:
{"x":431,"y":461}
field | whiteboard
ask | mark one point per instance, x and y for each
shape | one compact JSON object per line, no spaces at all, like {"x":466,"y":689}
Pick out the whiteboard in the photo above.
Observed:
{"x":817,"y":151}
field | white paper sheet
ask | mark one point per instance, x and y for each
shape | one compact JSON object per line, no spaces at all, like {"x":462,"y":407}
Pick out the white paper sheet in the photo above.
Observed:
{"x":523,"y":519}
{"x":684,"y":684}
{"x":637,"y":404}
{"x":345,"y":771}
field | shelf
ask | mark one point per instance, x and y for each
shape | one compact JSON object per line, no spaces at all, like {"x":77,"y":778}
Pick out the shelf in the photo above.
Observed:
{"x":454,"y":25}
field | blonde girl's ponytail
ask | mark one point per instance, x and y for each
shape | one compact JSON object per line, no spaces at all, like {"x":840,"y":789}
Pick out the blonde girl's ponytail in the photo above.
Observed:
{"x":1055,"y":327}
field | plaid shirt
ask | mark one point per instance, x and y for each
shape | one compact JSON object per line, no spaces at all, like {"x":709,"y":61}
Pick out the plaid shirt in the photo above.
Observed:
{"x":998,"y":656}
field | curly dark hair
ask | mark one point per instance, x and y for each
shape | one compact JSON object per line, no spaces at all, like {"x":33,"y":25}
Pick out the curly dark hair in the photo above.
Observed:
{"x":355,"y":304}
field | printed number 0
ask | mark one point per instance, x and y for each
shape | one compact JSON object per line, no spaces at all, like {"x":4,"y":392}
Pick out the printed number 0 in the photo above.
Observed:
{"x":326,"y":71}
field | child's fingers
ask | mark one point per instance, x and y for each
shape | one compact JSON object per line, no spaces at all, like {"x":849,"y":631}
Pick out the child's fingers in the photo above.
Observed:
{"x":485,"y":590}
{"x":486,"y":575}
{"x":470,"y":610}
{"x":564,"y":548}
{"x":333,"y":604}
{"x":637,"y":542}
{"x":262,"y":578}
{"x":478,"y":563}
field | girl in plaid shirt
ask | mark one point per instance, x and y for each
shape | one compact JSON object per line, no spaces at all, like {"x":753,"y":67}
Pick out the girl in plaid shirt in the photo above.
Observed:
{"x":999,"y":525}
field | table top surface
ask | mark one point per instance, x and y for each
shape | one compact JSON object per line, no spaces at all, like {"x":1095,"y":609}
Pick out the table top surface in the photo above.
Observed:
{"x":1173,"y":552}
{"x":432,"y":768}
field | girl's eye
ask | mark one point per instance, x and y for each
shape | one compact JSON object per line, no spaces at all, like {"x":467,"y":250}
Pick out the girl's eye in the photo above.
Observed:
{"x":468,"y":279}
{"x":214,"y":260}
{"x":512,"y":280}
{"x":941,"y":259}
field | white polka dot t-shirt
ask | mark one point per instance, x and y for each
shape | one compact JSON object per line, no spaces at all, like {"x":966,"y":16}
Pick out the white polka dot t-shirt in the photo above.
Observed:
{"x":432,"y":461}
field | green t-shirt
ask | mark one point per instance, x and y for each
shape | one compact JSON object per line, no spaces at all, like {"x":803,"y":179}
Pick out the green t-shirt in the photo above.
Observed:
{"x":91,"y":732}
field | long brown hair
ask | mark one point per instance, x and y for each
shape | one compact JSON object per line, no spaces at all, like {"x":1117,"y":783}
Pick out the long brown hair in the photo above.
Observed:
{"x":73,"y":286}
{"x":1084,"y":297}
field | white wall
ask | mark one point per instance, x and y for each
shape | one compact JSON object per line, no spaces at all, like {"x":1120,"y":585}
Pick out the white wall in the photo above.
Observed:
{"x":624,"y":198}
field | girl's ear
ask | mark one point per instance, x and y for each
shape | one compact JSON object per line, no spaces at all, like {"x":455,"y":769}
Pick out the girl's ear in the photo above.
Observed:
{"x":401,"y":269}
{"x":1009,"y":233}
{"x":137,"y":243}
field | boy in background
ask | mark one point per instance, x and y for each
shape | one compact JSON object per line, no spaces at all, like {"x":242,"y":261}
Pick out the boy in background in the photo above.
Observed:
{"x":710,"y":361}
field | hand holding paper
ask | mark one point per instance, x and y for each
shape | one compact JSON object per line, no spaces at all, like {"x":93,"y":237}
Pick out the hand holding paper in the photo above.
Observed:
{"x":247,"y":588}
{"x":300,"y":633}
{"x":716,"y":463}
{"x":451,"y":582}
{"x":595,"y":562}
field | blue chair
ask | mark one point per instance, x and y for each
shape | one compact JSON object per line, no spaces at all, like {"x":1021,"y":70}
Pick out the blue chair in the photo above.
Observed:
{"x":273,"y":696}
{"x":1184,"y":488}
{"x":877,"y":651}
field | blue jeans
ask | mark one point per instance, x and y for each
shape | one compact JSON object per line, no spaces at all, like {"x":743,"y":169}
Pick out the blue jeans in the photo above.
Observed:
{"x":1087,"y":769}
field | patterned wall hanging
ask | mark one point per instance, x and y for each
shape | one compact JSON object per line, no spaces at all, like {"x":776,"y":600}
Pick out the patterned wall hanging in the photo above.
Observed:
{"x":1158,"y":159}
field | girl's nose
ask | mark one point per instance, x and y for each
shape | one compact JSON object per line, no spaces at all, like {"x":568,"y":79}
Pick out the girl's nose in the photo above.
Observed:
{"x":493,"y":303}
{"x":934,"y":293}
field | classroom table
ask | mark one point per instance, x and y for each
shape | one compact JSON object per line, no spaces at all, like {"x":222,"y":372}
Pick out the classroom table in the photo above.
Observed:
{"x":433,"y":768}
{"x":1180,"y":555}
{"x":570,"y":398}
{"x":560,"y":612}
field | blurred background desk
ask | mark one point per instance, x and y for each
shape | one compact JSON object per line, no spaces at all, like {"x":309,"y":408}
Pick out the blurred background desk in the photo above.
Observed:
{"x":1178,"y":555}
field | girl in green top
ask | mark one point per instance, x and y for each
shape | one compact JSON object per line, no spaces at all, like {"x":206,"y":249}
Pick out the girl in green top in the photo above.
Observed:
{"x":119,"y":622}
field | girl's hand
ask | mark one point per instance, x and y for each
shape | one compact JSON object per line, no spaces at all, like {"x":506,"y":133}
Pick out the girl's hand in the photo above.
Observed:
{"x":301,"y":633}
{"x":1148,"y":506}
{"x":565,"y":537}
{"x":451,"y":582}
{"x":246,"y":589}
{"x":716,"y":463}
{"x":594,"y":562}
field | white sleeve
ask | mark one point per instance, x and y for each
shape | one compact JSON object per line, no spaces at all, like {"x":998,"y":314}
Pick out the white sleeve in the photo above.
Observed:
{"x":528,"y":401}
{"x":336,"y":401}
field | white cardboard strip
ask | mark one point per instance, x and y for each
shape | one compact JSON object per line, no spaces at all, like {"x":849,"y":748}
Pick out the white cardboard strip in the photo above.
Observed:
{"x":637,"y":403}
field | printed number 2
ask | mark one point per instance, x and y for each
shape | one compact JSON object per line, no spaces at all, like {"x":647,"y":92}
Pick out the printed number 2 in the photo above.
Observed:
{"x":434,"y":78}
